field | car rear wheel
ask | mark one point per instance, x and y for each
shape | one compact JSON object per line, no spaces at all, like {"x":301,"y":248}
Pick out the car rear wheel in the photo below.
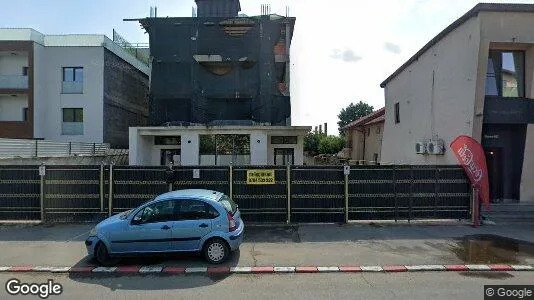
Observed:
{"x":102,"y":256}
{"x":216,"y":251}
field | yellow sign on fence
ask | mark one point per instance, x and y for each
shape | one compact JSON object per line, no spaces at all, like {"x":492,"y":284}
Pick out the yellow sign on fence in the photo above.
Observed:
{"x":260,"y":177}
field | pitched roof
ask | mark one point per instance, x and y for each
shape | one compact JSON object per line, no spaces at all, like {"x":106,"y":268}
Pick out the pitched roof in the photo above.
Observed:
{"x":495,"y":7}
{"x":369,"y":119}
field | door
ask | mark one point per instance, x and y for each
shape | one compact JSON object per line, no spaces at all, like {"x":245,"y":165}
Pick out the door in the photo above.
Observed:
{"x":284,"y":156}
{"x":494,"y":161}
{"x":192,"y":223}
{"x":168,"y":156}
{"x":149,"y":230}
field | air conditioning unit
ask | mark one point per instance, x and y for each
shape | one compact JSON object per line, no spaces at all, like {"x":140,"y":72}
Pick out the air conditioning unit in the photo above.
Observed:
{"x":436,"y":147}
{"x":420,"y":147}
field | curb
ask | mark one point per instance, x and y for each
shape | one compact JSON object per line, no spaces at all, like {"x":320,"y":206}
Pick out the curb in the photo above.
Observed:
{"x":225,"y":270}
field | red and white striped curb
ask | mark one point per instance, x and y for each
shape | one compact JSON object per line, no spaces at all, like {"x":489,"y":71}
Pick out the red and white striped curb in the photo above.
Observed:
{"x":264,"y":269}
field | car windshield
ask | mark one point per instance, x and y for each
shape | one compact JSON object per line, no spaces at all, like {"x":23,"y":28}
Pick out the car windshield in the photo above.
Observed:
{"x":228,"y":204}
{"x":125,"y":214}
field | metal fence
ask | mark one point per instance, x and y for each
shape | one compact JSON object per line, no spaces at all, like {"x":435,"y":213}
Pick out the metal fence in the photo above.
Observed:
{"x":298,"y":194}
{"x":41,"y":148}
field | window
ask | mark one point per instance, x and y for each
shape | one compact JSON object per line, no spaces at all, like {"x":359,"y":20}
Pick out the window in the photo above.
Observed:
{"x":283,"y":140}
{"x":505,"y":76}
{"x":167,"y":140}
{"x":284,"y":156}
{"x":158,"y":212}
{"x":228,"y":204}
{"x":378,"y":130}
{"x":73,"y":74}
{"x":195,"y":210}
{"x":72,"y":121}
{"x":24,"y":114}
{"x":397,"y":113}
{"x":72,"y":80}
{"x":24,"y":71}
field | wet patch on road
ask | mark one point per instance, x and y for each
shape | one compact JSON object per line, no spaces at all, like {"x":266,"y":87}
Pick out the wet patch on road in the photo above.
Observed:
{"x":492,"y":249}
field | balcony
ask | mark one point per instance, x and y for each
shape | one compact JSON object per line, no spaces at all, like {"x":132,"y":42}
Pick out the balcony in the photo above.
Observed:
{"x":13,"y":82}
{"x":72,"y":87}
{"x":72,"y":128}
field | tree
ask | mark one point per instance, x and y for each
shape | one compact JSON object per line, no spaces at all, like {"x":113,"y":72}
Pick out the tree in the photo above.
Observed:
{"x":311,"y":142}
{"x":352,"y":113}
{"x":331,"y":144}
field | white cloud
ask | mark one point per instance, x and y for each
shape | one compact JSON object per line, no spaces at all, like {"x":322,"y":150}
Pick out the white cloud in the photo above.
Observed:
{"x":393,"y":48}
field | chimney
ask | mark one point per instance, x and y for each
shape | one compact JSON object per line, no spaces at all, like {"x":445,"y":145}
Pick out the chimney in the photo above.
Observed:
{"x":315,"y":129}
{"x":320,"y":128}
{"x":326,"y":128}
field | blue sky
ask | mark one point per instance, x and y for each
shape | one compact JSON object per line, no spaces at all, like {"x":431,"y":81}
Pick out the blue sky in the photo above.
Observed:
{"x":341,"y":51}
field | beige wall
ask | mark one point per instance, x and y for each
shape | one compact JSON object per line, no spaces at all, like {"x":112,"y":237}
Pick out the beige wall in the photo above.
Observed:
{"x":373,"y":142}
{"x":526,"y":189}
{"x":436,"y":95}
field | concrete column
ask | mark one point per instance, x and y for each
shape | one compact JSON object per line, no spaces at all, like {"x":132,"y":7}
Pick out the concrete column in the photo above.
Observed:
{"x":299,"y":151}
{"x":526,"y":188}
{"x":258,"y":149}
{"x":139,"y":148}
{"x":190,"y":149}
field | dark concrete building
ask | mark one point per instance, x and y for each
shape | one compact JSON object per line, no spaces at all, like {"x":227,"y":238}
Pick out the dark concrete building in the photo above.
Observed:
{"x":220,"y":68}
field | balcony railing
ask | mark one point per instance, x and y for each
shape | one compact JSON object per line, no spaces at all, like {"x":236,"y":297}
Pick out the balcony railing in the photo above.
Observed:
{"x":13,"y":82}
{"x":72,"y":128}
{"x":72,"y":87}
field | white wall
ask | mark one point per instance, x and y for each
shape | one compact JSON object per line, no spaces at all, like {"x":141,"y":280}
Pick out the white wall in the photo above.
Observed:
{"x":436,"y":95}
{"x":258,"y":149}
{"x":140,"y":147}
{"x":50,"y":101}
{"x":12,"y":64}
{"x":40,"y":91}
{"x":190,"y":149}
{"x":11,"y":107}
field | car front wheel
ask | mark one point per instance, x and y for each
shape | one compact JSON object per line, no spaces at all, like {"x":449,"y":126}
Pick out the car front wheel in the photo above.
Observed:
{"x":216,"y":251}
{"x":102,"y":256}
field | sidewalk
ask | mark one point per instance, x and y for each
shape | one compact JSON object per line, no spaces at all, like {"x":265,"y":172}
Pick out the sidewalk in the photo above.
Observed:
{"x":304,"y":245}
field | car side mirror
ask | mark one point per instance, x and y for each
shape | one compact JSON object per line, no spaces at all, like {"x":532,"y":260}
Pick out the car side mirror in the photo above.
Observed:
{"x":136,"y":220}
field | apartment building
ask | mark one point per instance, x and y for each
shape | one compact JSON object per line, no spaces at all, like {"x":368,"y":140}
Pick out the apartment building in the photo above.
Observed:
{"x":69,"y":88}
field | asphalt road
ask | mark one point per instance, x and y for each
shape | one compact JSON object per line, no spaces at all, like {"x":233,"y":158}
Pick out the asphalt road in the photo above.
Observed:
{"x":440,"y":285}
{"x":304,"y":245}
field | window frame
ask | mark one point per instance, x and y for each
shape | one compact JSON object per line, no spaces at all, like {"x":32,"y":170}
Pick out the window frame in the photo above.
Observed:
{"x":73,"y":74}
{"x":496,"y":57}
{"x":397,"y":112}
{"x":73,"y":109}
{"x":25,"y":114}
{"x":284,"y":140}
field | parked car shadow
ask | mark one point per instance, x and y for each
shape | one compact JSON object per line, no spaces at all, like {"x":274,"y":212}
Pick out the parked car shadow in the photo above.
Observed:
{"x":134,"y":281}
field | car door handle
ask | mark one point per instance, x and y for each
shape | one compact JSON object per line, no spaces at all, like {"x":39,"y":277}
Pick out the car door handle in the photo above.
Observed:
{"x":165,"y":227}
{"x":203,"y":225}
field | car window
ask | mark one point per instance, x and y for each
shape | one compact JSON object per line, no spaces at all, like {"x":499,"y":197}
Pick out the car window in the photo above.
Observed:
{"x":158,"y":212}
{"x":228,"y":204}
{"x":195,"y":210}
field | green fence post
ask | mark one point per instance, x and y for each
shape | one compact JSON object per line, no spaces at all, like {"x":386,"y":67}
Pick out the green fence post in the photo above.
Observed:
{"x":346,"y":173}
{"x":102,"y":187}
{"x":288,"y":182}
{"x":110,"y":194}
{"x":231,"y":182}
{"x":42,"y":174}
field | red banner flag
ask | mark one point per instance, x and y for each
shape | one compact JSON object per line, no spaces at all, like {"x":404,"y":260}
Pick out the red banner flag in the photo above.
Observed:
{"x":471,"y":156}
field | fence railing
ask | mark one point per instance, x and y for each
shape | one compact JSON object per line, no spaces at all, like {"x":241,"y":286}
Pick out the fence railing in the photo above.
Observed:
{"x":42,"y":148}
{"x":296,"y":194}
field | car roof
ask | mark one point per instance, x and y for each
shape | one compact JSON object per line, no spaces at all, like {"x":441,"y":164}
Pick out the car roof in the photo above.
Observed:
{"x":208,"y":195}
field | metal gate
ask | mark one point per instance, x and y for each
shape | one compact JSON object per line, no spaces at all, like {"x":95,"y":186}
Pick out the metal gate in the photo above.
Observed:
{"x":20,"y":190}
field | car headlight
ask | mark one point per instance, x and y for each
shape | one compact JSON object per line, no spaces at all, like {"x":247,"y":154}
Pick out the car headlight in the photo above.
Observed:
{"x":92,"y":232}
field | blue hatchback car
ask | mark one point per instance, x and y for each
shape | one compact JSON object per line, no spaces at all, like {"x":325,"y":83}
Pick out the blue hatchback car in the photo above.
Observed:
{"x":201,"y":221}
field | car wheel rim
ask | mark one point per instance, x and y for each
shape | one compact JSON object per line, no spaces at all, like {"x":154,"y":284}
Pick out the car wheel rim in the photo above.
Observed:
{"x":216,"y":251}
